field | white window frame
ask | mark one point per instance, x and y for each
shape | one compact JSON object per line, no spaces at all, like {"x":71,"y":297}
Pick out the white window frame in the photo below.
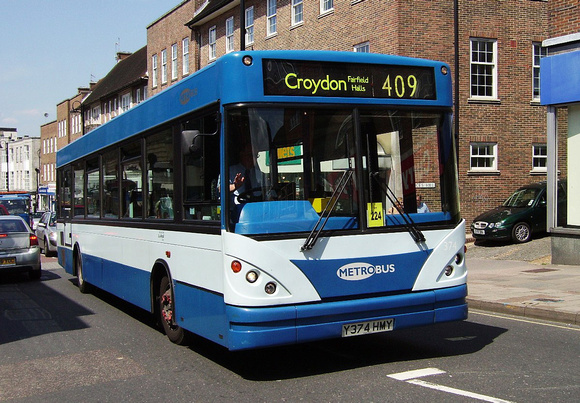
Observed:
{"x":250,"y":25}
{"x":483,"y":151}
{"x":539,"y":157}
{"x":211,"y":42}
{"x":481,"y":68}
{"x":326,"y":6}
{"x":297,"y":12}
{"x":364,"y":47}
{"x":164,"y":66}
{"x":230,"y":35}
{"x":271,"y":23}
{"x":174,"y":61}
{"x":185,"y":56}
{"x":154,"y":69}
{"x":125,"y":102}
{"x":538,"y":52}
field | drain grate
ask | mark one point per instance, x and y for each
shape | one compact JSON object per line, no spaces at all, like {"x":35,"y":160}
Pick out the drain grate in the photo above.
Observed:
{"x":548,"y":300}
{"x":539,"y":270}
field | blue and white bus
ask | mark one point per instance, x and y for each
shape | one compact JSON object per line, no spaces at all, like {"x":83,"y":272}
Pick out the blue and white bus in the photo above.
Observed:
{"x":249,"y":203}
{"x":17,"y":203}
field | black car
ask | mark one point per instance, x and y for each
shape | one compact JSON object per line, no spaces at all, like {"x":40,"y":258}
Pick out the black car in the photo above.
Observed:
{"x":520,"y":216}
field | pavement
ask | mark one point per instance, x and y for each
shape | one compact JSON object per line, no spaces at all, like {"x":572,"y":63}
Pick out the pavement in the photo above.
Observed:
{"x":519,"y":279}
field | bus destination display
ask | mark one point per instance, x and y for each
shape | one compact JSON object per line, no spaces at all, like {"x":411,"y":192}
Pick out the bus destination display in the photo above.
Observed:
{"x":327,"y":79}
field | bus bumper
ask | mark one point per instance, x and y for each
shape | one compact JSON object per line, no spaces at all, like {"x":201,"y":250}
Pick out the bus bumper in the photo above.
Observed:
{"x":271,"y":326}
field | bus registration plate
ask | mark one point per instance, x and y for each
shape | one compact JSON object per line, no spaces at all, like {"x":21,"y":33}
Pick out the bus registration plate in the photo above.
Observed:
{"x":373,"y":326}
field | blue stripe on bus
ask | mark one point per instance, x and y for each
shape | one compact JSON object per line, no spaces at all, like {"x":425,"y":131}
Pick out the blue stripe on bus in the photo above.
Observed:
{"x":363,"y":275}
{"x":269,"y":326}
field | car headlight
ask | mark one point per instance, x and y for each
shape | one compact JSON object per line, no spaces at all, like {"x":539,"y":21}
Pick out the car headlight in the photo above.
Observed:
{"x":499,"y":224}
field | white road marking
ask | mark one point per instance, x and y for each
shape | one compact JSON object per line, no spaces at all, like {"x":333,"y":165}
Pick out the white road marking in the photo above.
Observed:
{"x":418,"y":373}
{"x":531,"y":321}
{"x":411,"y":377}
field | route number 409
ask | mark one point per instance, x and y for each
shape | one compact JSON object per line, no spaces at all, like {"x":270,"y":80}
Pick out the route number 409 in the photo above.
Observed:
{"x":400,"y":86}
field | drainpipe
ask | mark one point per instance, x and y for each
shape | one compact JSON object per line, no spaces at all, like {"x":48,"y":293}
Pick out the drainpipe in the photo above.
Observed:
{"x":242,"y":25}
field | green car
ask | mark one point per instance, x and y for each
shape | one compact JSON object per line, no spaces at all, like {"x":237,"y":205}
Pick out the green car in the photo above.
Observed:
{"x":520,"y":216}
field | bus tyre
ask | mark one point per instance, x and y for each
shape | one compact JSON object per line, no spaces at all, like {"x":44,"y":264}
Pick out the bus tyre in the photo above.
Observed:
{"x":84,"y":287}
{"x":166,"y":310}
{"x":521,"y":232}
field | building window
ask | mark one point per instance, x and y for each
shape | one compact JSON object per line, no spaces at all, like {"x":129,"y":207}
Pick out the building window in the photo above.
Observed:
{"x":185,"y":58}
{"x":249,"y":25}
{"x":154,"y":69}
{"x":483,"y":156}
{"x":326,"y":6}
{"x":212,"y":43}
{"x":174,"y":61}
{"x":164,"y":66}
{"x":364,"y":47}
{"x":125,"y":102}
{"x":483,"y":68}
{"x":537,"y":54}
{"x":271,"y":17}
{"x":297,"y":12}
{"x":539,"y":157}
{"x":230,"y":35}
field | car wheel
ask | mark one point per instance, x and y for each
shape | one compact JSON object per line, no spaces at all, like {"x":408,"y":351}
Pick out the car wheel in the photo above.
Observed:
{"x":47,"y":251}
{"x":166,"y":312}
{"x":521,"y":232}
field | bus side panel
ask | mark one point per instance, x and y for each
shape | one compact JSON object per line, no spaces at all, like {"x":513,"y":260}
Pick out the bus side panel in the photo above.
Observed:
{"x":201,"y":312}
{"x":65,"y":259}
{"x":126,"y":282}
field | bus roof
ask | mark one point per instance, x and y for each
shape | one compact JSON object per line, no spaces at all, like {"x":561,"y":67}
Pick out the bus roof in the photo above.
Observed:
{"x":229,"y":81}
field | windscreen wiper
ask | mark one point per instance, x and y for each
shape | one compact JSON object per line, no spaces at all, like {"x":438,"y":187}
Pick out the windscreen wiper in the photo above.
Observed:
{"x":410,"y":225}
{"x":325,"y":214}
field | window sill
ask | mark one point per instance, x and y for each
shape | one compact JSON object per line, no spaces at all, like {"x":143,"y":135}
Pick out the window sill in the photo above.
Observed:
{"x":324,"y":14}
{"x":297,"y":25}
{"x":483,"y":173}
{"x":537,"y":172}
{"x":272,"y":35}
{"x":492,"y":101}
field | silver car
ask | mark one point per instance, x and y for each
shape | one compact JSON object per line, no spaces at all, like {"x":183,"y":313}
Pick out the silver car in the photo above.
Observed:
{"x":19,"y":251}
{"x":46,"y":233}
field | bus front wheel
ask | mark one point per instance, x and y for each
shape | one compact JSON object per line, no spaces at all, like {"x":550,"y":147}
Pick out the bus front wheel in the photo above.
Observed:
{"x":166,"y":311}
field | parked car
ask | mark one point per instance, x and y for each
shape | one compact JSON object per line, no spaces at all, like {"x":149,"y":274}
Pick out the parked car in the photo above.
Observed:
{"x":46,"y":233}
{"x":19,"y":251}
{"x":520,"y":216}
{"x":3,"y":210}
{"x":35,"y":217}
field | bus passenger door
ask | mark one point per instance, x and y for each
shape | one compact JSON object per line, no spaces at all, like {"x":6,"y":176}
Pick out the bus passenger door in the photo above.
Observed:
{"x":64,"y":206}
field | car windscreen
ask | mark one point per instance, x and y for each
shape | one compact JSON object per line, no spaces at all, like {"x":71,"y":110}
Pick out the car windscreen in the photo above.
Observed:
{"x":522,"y":198}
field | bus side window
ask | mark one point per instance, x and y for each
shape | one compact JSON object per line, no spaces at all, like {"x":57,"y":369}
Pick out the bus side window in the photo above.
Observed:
{"x":201,"y":164}
{"x":159,"y":175}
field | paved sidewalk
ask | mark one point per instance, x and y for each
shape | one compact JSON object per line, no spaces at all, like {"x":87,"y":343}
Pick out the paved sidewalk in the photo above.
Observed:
{"x":519,"y":280}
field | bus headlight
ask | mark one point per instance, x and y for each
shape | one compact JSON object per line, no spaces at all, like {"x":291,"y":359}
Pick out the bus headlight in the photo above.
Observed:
{"x":448,"y":271}
{"x":270,"y":288}
{"x":252,"y":276}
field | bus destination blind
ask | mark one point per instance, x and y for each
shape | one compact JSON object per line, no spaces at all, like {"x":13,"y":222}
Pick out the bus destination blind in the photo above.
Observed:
{"x":330,"y":79}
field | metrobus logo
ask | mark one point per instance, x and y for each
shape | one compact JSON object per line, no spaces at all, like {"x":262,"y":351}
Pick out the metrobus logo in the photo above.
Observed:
{"x":360,"y":271}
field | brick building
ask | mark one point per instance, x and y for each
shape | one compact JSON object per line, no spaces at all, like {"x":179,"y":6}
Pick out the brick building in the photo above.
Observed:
{"x":501,"y":125}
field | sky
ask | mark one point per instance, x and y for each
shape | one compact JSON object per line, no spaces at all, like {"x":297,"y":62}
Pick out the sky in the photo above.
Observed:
{"x":50,"y":48}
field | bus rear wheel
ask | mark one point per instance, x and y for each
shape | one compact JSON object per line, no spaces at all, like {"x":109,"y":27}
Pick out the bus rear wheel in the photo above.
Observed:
{"x":84,"y":287}
{"x":166,"y":312}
